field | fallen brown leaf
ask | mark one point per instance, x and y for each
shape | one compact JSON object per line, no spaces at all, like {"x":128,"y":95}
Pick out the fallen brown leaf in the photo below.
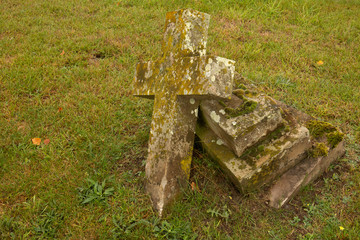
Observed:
{"x":36,"y":141}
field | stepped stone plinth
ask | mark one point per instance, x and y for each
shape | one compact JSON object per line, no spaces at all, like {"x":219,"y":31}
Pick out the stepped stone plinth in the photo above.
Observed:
{"x":258,"y":141}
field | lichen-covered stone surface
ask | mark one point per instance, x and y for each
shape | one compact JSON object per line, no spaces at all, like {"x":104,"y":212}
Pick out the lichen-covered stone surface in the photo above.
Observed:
{"x":242,"y":131}
{"x":178,"y":80}
{"x":258,"y":140}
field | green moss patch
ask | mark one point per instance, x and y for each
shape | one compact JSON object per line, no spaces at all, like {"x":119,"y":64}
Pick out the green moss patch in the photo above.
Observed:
{"x":222,"y":103}
{"x":251,"y":93}
{"x":242,"y":86}
{"x":258,"y":150}
{"x":239,"y":93}
{"x":334,"y":138}
{"x":319,"y":128}
{"x":247,"y":107}
{"x":319,"y":150}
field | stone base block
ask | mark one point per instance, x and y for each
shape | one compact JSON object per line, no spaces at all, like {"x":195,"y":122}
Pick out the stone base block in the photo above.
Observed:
{"x":300,"y":175}
{"x":261,"y":163}
{"x":243,"y":120}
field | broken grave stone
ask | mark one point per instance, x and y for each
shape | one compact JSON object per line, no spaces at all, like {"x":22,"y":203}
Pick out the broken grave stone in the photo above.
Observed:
{"x":258,"y":140}
{"x":178,"y":80}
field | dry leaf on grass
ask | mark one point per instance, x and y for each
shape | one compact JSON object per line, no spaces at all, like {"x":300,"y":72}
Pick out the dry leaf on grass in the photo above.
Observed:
{"x":194,"y":187}
{"x":36,"y":141}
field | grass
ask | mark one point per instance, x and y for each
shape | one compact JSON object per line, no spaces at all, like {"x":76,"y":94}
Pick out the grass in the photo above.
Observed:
{"x":65,"y":75}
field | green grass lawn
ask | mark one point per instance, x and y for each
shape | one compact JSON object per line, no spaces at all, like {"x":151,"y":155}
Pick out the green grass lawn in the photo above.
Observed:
{"x":66,"y":69}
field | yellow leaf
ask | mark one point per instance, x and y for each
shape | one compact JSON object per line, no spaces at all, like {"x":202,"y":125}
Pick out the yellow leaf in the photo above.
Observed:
{"x":36,"y":141}
{"x":320,"y":63}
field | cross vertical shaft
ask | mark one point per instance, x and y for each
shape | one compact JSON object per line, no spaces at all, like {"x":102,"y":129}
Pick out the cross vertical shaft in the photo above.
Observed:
{"x":170,"y":148}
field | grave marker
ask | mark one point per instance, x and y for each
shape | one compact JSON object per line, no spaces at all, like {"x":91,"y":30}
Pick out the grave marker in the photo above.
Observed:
{"x":179,"y":80}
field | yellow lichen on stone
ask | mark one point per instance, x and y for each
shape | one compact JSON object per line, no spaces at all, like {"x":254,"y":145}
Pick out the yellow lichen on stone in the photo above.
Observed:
{"x":186,"y":165}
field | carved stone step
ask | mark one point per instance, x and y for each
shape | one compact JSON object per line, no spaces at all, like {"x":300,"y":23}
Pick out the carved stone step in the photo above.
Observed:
{"x":261,"y":163}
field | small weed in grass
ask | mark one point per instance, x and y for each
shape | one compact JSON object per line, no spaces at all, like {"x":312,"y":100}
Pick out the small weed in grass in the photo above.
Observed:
{"x":295,"y":221}
{"x":283,"y":82}
{"x":224,"y":213}
{"x":49,"y":221}
{"x":123,"y":227}
{"x":346,"y":199}
{"x":8,"y":225}
{"x":310,"y":209}
{"x":167,"y":230}
{"x":308,"y":236}
{"x":95,"y":191}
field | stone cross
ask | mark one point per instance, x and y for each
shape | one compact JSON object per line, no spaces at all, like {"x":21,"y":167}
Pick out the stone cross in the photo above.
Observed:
{"x":179,"y":80}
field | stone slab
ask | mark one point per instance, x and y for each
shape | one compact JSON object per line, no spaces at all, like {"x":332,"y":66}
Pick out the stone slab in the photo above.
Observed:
{"x":243,"y":131}
{"x":302,"y":174}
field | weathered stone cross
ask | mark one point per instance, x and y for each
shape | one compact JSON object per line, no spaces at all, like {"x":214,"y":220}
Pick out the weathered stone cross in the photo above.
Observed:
{"x":179,"y":80}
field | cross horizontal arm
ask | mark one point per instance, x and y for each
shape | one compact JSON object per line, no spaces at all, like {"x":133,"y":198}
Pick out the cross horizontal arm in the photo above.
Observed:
{"x":207,"y":75}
